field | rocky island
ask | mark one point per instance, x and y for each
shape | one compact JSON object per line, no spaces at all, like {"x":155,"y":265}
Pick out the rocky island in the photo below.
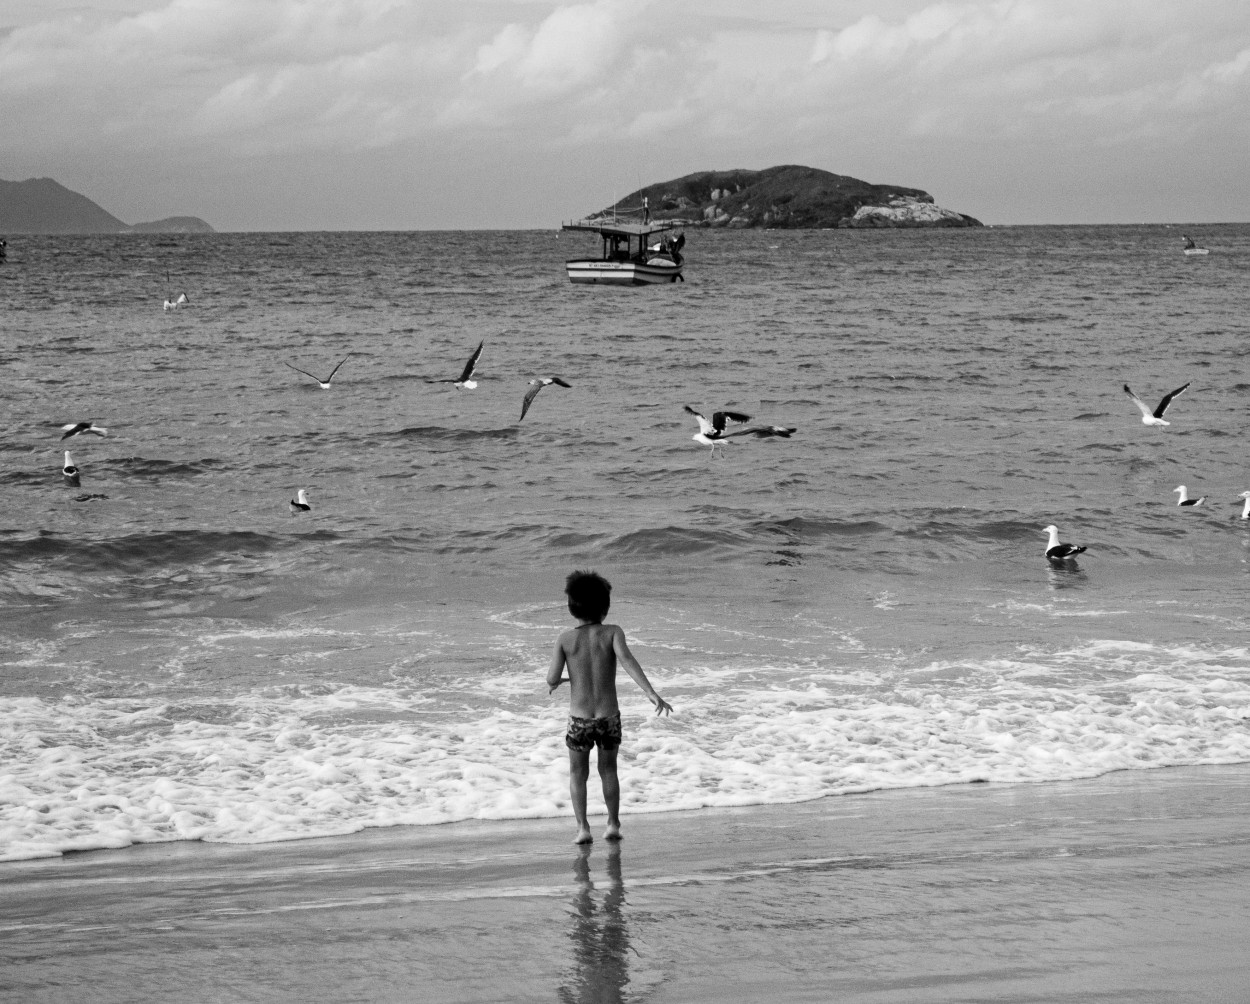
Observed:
{"x":786,"y":197}
{"x":43,"y":206}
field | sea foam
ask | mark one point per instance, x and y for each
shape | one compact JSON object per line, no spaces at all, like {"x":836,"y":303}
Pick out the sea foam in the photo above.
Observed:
{"x":275,"y":765}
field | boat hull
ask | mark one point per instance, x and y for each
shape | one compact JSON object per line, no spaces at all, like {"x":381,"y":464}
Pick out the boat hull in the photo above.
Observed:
{"x":622,"y":273}
{"x":1194,"y":251}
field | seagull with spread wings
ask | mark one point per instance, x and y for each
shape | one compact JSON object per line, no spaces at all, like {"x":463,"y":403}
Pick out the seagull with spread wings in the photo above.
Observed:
{"x":1155,"y":417}
{"x":713,"y":432}
{"x":465,"y":379}
{"x":323,"y":384}
{"x":78,"y":428}
{"x":537,"y":384}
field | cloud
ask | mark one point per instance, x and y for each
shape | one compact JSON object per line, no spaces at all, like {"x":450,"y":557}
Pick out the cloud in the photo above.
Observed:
{"x":886,"y":90}
{"x":1232,"y":71}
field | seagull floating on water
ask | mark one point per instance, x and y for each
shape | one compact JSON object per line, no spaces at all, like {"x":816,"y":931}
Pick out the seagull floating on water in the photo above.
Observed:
{"x":300,"y":502}
{"x":536,"y":385}
{"x":1058,"y":552}
{"x":176,"y":303}
{"x":324,"y":384}
{"x":463,"y":380}
{"x":1155,"y":417}
{"x":1185,"y":499}
{"x":713,"y":432}
{"x":78,"y":429}
{"x":1245,"y":513}
{"x":70,"y":471}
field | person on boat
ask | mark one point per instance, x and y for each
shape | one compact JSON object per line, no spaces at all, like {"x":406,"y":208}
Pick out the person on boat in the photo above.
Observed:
{"x":1189,"y":242}
{"x":646,"y":210}
{"x":673,"y":246}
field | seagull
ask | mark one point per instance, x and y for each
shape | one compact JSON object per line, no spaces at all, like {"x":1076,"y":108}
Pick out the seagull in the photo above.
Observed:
{"x":1245,"y":513}
{"x":175,"y":304}
{"x":1057,"y":552}
{"x":535,"y":386}
{"x":300,"y":502}
{"x":1156,"y":417}
{"x":1185,"y":499}
{"x":463,"y":380}
{"x":713,"y":432}
{"x":70,"y":471}
{"x":324,"y":384}
{"x":81,"y":427}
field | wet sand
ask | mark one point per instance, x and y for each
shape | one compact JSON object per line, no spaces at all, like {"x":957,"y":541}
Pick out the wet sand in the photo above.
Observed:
{"x":1130,"y":887}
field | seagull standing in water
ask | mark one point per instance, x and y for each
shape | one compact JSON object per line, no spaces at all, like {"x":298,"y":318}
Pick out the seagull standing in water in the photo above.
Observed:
{"x":178,"y":300}
{"x":70,"y":471}
{"x":536,"y":385}
{"x":1185,"y":499}
{"x":323,"y":384}
{"x":300,"y":502}
{"x":77,"y":429}
{"x":713,"y":432}
{"x":464,"y":378}
{"x":1155,"y":417}
{"x":1057,"y":552}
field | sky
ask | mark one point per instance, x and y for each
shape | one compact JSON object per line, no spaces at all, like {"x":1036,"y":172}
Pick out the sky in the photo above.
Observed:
{"x":466,"y":114}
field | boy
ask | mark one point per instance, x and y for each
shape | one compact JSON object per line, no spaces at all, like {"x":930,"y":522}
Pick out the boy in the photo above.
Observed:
{"x":591,"y":651}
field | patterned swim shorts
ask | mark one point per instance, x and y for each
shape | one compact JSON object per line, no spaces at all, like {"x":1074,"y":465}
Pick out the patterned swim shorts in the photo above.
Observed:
{"x":584,"y":733}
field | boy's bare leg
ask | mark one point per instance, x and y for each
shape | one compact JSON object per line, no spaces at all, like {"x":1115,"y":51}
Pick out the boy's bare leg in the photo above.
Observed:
{"x":611,"y":793}
{"x":579,"y":772}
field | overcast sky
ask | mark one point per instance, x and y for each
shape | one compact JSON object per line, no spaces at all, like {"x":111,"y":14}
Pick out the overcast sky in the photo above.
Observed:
{"x":408,"y":114}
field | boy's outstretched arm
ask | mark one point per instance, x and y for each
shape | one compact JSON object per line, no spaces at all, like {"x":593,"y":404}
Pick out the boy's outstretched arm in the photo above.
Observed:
{"x":625,"y":657}
{"x":556,"y":669}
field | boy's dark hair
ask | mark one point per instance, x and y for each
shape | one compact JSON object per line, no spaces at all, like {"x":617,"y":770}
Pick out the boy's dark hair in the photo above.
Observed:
{"x":590,"y":595}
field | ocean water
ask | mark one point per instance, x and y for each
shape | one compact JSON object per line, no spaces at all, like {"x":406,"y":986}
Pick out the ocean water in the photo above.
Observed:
{"x":863,"y":606}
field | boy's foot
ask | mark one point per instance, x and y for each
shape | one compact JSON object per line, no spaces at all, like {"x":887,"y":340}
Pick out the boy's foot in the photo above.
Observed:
{"x":613,"y":832}
{"x":583,"y":836}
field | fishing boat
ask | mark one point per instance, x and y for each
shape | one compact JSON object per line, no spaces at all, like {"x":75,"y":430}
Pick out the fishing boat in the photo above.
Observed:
{"x":628,"y":258}
{"x":1191,"y":248}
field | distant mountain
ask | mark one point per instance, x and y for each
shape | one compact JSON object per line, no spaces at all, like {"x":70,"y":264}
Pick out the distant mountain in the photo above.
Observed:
{"x":42,"y":206}
{"x":790,"y":197}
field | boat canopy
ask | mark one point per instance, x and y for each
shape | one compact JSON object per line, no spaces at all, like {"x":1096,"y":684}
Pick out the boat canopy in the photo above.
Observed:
{"x":610,"y":228}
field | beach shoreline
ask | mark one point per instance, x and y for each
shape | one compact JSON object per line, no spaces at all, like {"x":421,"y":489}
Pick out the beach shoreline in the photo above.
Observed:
{"x":1124,"y":887}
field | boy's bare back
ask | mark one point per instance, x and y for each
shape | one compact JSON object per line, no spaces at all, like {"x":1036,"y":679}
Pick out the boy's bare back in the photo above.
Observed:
{"x":590,"y":655}
{"x":591,"y":652}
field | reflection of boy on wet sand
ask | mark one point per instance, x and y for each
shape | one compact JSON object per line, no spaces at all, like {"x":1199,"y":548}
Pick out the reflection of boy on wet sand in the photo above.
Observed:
{"x":600,"y":936}
{"x":591,"y":652}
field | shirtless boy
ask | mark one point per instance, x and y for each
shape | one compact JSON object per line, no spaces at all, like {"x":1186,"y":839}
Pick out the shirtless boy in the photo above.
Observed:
{"x":591,"y":652}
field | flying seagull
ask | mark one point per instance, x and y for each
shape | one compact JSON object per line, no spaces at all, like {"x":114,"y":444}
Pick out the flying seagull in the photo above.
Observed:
{"x":463,"y":380}
{"x":713,"y":432}
{"x":1185,"y":499}
{"x":81,"y":427}
{"x":300,"y":502}
{"x":324,"y":384}
{"x":70,"y":471}
{"x":535,"y":386}
{"x":1245,"y":513}
{"x":1057,"y":552}
{"x":1155,"y":417}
